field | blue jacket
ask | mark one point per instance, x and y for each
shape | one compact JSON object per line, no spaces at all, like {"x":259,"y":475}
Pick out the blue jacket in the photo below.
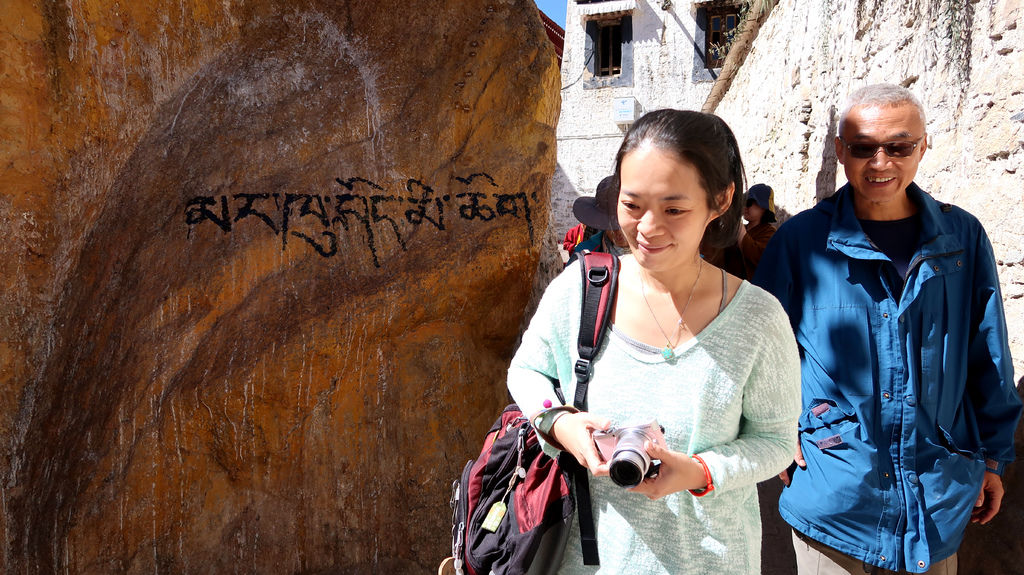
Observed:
{"x":905,"y":393}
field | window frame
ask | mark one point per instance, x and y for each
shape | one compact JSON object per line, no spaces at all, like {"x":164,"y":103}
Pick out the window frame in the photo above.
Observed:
{"x":724,"y":34}
{"x":599,"y":74}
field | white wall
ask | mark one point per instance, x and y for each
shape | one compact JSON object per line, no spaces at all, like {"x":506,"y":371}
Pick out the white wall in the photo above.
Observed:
{"x":663,"y":65}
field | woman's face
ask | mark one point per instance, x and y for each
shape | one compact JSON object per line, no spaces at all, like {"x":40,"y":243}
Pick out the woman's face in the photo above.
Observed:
{"x":663,"y":208}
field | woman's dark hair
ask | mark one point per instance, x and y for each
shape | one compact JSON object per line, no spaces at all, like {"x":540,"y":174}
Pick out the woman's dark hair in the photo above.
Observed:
{"x":706,"y":142}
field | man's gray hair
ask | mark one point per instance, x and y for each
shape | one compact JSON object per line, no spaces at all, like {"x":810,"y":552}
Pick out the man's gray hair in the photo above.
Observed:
{"x":882,"y":96}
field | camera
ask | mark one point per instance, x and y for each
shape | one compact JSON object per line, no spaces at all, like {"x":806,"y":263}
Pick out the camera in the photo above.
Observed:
{"x":624,"y":448}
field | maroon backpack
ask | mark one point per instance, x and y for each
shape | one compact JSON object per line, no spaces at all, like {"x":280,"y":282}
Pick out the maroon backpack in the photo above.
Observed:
{"x":513,"y":505}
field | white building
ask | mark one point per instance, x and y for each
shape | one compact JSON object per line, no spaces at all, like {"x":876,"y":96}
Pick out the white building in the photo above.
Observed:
{"x":620,"y":59}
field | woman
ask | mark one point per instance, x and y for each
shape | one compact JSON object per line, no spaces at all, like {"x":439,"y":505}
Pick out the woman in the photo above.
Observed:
{"x":681,"y":351}
{"x":760,"y":215}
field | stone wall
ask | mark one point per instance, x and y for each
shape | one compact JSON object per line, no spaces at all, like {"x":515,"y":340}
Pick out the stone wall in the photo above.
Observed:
{"x":262,"y":272}
{"x":965,"y":62}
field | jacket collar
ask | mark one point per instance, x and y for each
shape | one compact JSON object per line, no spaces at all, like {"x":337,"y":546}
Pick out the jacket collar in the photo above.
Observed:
{"x":847,"y":237}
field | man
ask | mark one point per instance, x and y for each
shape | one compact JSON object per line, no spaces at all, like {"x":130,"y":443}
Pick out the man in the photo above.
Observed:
{"x":909,"y":402}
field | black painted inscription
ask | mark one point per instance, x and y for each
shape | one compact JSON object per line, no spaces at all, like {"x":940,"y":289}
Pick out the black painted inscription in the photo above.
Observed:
{"x":361,"y":206}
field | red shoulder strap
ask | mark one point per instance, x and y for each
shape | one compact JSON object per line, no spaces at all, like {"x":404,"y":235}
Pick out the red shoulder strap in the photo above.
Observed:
{"x":600,"y":279}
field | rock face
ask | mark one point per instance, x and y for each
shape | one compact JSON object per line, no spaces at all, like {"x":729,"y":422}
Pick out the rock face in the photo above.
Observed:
{"x":956,"y":56}
{"x":264,"y":265}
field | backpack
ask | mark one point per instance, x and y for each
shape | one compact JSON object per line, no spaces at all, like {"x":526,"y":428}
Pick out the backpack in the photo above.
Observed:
{"x":512,"y":507}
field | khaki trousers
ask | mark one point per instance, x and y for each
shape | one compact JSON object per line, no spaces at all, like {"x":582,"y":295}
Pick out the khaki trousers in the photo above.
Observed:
{"x":814,"y":558}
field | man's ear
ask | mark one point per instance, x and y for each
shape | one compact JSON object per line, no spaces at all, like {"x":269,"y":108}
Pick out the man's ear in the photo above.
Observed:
{"x":840,"y":150}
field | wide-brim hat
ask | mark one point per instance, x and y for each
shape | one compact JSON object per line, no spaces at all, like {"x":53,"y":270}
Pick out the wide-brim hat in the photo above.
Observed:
{"x":599,"y":211}
{"x":763,"y":195}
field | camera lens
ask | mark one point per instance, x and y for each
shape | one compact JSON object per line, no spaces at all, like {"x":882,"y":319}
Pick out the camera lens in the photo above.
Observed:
{"x":628,"y":468}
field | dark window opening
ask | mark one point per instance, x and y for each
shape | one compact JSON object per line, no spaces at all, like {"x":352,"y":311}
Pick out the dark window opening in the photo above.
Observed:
{"x":721,"y":27}
{"x":609,"y":49}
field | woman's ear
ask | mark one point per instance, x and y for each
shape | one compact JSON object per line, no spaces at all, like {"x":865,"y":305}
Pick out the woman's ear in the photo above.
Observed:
{"x":724,"y":199}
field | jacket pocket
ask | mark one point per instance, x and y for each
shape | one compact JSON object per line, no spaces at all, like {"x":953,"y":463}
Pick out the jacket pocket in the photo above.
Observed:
{"x":828,"y":426}
{"x":946,"y":438}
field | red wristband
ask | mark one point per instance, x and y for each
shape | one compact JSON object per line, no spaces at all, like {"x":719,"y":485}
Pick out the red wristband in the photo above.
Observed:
{"x":707,"y":477}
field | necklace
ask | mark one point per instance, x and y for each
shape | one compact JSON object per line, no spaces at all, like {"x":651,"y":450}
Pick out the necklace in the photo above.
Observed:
{"x":669,"y":351}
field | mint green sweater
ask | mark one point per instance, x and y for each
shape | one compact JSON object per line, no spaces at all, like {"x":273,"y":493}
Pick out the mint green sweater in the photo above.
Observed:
{"x":731,"y":395}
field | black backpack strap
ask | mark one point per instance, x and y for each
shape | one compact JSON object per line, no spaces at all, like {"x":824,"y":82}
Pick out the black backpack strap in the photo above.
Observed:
{"x":588,"y":533}
{"x":584,"y":507}
{"x":600,"y":280}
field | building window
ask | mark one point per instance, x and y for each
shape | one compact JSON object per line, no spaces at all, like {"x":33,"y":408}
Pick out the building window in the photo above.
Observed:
{"x":608,"y":49}
{"x":721,"y":26}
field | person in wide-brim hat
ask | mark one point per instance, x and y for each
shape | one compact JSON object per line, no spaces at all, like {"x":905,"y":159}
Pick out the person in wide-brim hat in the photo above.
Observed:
{"x":599,"y":213}
{"x":759,"y":211}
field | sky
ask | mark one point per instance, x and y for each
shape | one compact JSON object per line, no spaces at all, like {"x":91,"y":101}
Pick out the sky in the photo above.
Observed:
{"x":555,"y":9}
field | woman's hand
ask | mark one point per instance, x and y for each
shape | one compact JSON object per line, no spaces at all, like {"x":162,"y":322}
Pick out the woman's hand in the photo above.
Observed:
{"x":678,"y":472}
{"x":574,"y":431}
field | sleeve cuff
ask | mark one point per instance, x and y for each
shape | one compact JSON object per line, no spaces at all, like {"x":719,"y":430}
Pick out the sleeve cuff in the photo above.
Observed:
{"x":545,"y":420}
{"x":993,"y":466}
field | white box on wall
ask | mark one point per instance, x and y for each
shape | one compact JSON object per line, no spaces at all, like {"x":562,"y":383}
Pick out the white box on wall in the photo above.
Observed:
{"x":626,"y":110}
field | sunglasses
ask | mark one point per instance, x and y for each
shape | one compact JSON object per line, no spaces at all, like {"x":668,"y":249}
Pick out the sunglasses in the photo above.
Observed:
{"x":892,"y":149}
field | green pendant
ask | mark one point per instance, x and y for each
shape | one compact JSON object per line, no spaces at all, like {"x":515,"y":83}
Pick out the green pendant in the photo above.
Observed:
{"x":667,"y":353}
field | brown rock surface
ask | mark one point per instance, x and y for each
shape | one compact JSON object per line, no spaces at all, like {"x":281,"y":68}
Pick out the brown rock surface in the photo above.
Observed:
{"x":264,"y":264}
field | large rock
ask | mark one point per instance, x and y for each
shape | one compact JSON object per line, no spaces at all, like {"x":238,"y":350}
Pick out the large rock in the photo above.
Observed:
{"x":264,"y":265}
{"x":956,"y":56}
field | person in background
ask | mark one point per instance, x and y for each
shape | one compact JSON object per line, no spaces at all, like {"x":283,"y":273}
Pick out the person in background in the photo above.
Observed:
{"x":709,"y":356}
{"x":574,"y":236}
{"x":759,"y":211}
{"x":909,"y":406}
{"x":598,"y":213}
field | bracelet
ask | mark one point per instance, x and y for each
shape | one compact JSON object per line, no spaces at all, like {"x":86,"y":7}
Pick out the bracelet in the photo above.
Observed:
{"x":545,"y":419}
{"x":707,"y":477}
